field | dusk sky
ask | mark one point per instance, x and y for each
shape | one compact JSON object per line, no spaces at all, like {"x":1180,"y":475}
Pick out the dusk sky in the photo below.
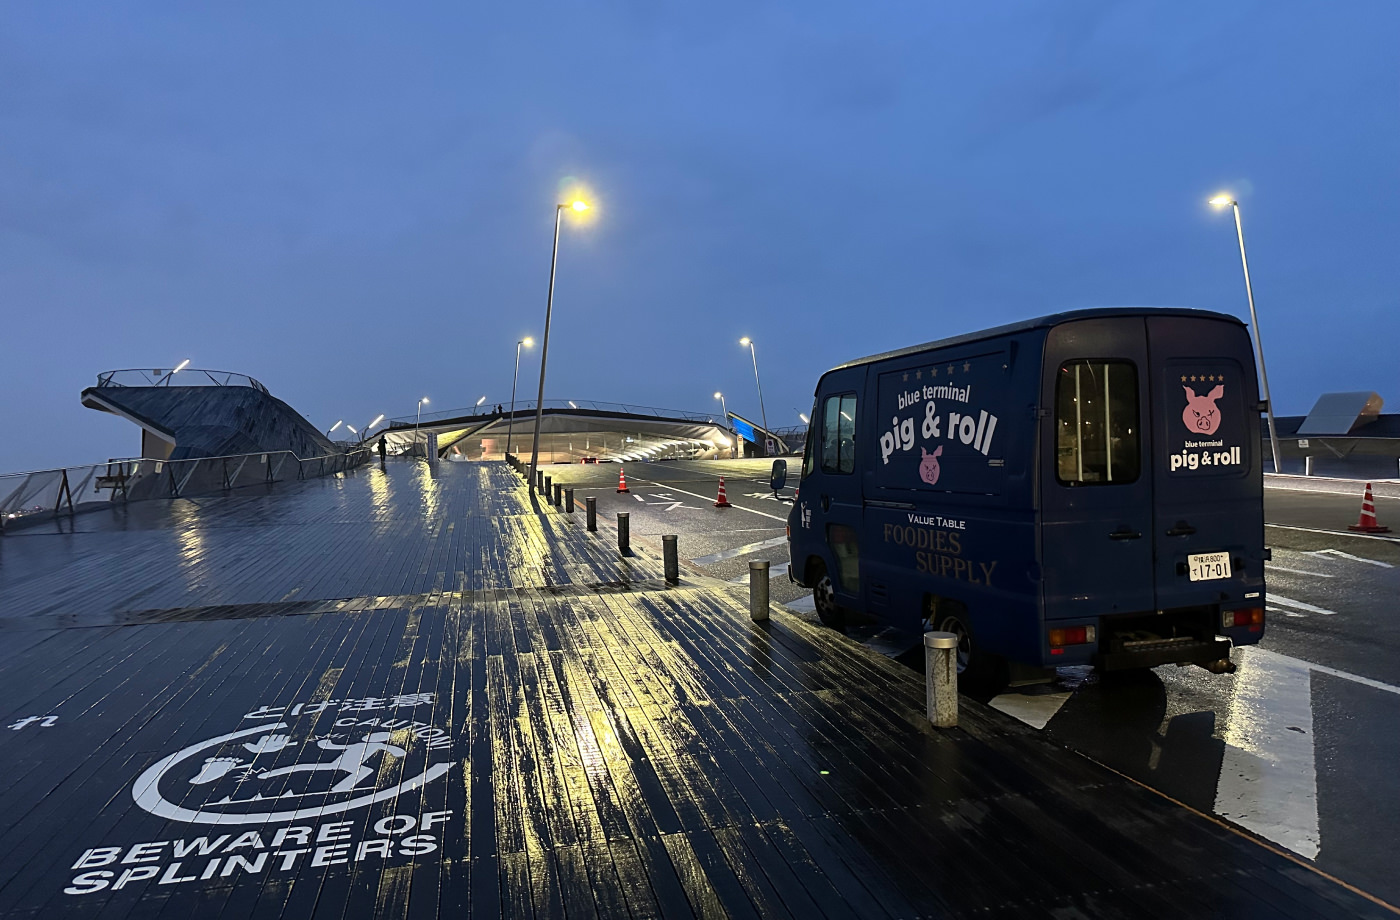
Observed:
{"x":353,"y":203}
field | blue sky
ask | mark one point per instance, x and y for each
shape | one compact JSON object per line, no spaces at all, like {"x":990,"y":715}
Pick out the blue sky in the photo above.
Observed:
{"x":354,"y":203}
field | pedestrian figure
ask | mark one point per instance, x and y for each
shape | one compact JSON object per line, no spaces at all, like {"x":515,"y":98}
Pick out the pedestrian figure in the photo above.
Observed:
{"x":383,"y":448}
{"x":352,"y":762}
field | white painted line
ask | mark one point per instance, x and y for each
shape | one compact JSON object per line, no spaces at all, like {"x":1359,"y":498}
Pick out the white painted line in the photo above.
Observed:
{"x":698,"y":495}
{"x":1268,"y":778}
{"x":807,"y":604}
{"x":773,"y":572}
{"x":1279,"y":568}
{"x":1336,"y":533}
{"x":1337,"y":552}
{"x":738,"y":551}
{"x":1299,"y":605}
{"x":1036,"y":710}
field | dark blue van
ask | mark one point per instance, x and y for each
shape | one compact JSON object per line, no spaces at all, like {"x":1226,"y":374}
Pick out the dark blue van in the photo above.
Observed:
{"x":1080,"y":488}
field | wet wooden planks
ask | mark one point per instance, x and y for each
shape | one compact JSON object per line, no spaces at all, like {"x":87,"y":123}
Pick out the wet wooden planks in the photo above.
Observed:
{"x":620,"y":747}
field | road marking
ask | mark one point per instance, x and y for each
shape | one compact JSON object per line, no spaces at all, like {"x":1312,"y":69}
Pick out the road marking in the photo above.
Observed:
{"x":697,"y":495}
{"x":1034,"y":709}
{"x":1268,"y":777}
{"x":1299,"y":605}
{"x":773,"y":571}
{"x":1337,"y":552}
{"x":1335,"y":533}
{"x":738,"y":551}
{"x":1279,"y":568}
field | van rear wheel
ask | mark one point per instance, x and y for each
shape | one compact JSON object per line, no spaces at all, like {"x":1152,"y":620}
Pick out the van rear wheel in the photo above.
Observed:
{"x":979,"y":671}
{"x":824,"y":597}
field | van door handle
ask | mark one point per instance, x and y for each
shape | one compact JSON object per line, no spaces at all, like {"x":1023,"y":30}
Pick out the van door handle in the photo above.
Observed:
{"x":826,"y":502}
{"x":1182,"y":529}
{"x":1125,"y":535}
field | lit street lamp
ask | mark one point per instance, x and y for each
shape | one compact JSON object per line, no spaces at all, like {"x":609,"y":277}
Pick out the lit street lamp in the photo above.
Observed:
{"x":334,"y":427}
{"x":1221,"y":201}
{"x":725,"y":409}
{"x":377,"y":419}
{"x":580,"y":207}
{"x":416,"y":419}
{"x":526,"y":342}
{"x":762,"y":411}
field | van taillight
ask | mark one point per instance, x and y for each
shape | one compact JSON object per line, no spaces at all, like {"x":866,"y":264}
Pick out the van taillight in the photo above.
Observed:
{"x":1253,"y":617}
{"x":1073,"y":635}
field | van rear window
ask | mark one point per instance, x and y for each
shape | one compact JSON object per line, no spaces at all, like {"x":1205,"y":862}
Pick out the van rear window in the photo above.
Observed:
{"x":1096,"y":423}
{"x":839,"y":434}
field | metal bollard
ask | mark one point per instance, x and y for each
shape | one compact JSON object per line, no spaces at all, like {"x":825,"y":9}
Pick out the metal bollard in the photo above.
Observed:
{"x":558,"y":494}
{"x":941,"y":676}
{"x":758,"y":590}
{"x":548,"y":487}
{"x":673,"y":566}
{"x":539,"y":480}
{"x":624,"y":534}
{"x":592,"y":504}
{"x":568,"y":501}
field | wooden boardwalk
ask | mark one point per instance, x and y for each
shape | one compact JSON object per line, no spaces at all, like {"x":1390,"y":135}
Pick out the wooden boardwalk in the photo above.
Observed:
{"x":410,"y":693}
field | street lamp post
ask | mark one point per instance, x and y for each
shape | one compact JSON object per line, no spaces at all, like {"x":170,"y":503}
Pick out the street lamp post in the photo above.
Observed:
{"x":725,"y":409}
{"x":526,"y":342}
{"x":762,"y":411}
{"x":544,"y":345}
{"x":1221,"y":201}
{"x":334,"y":427}
{"x":418,"y":418}
{"x":365,"y":433}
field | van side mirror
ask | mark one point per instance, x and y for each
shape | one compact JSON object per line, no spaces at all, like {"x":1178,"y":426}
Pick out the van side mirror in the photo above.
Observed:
{"x":779,"y":476}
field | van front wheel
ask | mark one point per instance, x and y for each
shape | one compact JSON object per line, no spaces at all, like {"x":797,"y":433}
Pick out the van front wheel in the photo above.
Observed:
{"x":824,"y":597}
{"x":979,"y":671}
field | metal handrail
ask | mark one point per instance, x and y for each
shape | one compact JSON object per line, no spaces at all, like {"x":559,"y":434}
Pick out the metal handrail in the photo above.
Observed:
{"x":187,"y":377}
{"x":27,"y":494}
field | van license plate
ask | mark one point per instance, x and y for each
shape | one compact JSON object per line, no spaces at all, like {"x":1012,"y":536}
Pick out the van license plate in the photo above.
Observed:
{"x":1208,"y":566}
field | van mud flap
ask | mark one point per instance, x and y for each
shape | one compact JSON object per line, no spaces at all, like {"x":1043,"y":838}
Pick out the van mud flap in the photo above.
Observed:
{"x":1148,"y":653}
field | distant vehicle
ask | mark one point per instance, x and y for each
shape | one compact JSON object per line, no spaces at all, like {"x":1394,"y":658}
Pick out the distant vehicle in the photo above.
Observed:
{"x":588,"y":460}
{"x":1080,"y":488}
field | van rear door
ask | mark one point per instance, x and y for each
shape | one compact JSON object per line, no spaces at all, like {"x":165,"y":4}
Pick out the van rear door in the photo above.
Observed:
{"x":1095,"y":489}
{"x":1206,"y":470}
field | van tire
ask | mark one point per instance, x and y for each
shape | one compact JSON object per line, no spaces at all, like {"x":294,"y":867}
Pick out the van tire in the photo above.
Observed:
{"x":979,"y":671}
{"x":832,"y":614}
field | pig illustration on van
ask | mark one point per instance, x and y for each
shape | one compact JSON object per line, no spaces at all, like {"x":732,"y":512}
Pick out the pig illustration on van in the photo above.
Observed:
{"x":928,"y":465}
{"x":1201,"y":414}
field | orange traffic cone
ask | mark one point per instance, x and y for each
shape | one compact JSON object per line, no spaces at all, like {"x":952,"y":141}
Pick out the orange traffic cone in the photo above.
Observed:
{"x":622,"y":481}
{"x":722,"y":501}
{"x":1367,"y":523}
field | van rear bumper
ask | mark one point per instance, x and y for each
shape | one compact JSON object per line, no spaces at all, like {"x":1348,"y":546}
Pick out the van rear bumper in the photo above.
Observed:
{"x":1149,"y":653}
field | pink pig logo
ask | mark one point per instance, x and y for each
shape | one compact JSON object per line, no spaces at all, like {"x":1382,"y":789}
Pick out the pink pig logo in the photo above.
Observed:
{"x":928,"y":465}
{"x":1201,"y":414}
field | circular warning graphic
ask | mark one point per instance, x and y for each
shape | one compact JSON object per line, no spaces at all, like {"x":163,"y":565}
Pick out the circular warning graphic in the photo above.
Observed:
{"x":312,"y":760}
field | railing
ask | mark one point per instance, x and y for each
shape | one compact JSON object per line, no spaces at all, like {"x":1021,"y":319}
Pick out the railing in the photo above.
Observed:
{"x":528,"y":405}
{"x":183,"y":377}
{"x":48,"y":493}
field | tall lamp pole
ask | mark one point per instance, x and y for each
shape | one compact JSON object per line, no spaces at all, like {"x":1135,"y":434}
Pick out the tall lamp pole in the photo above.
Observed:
{"x":1221,"y":201}
{"x":544,"y":345}
{"x":725,"y":409}
{"x":762,"y":411}
{"x":416,"y":419}
{"x":526,"y":342}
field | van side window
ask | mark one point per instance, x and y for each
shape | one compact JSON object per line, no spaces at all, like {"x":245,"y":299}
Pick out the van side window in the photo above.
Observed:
{"x":1096,"y":423}
{"x":839,"y":434}
{"x":809,"y":452}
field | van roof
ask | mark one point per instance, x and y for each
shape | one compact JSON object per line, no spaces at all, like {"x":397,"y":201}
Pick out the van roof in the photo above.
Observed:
{"x":1054,"y":319}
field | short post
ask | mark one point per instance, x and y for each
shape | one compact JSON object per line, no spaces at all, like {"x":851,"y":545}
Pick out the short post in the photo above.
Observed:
{"x":568,"y":501}
{"x":592,"y":504}
{"x":941,"y":676}
{"x":548,"y":487}
{"x":624,"y":534}
{"x":539,"y":481}
{"x":1307,"y":466}
{"x":758,"y":590}
{"x":673,"y":566}
{"x":558,"y":494}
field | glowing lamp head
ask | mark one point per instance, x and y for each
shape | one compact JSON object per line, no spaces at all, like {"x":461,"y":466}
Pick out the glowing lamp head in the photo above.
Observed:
{"x":719,"y":395}
{"x":745,"y":341}
{"x":579,"y":206}
{"x":1222,"y":201}
{"x":528,"y":342}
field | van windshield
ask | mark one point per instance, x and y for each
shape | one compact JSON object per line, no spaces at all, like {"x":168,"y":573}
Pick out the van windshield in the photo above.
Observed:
{"x":1096,"y":423}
